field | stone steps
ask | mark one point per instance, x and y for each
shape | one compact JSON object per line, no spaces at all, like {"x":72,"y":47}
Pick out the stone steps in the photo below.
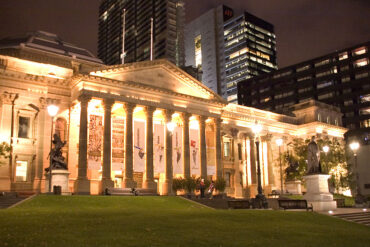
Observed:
{"x":361,"y":217}
{"x":8,"y":199}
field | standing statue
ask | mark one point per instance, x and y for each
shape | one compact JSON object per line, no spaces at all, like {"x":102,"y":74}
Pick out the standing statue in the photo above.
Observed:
{"x":313,"y":157}
{"x":57,"y":161}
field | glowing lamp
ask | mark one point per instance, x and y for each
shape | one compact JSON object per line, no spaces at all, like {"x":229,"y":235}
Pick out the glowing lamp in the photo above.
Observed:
{"x":53,"y":110}
{"x":354,"y":146}
{"x":325,"y":149}
{"x":257,"y":128}
{"x":171,"y":126}
{"x":279,"y":142}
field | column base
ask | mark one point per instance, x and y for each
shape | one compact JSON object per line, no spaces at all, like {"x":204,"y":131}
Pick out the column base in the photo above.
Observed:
{"x":82,"y":186}
{"x":129,"y":183}
{"x":150,"y":184}
{"x":104,"y":184}
{"x":167,"y":187}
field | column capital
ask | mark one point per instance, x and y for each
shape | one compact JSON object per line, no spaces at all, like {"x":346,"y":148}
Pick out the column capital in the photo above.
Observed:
{"x":218,"y":121}
{"x":84,"y":98}
{"x":149,"y":110}
{"x":234,"y":132}
{"x":42,"y":103}
{"x":266,"y":138}
{"x":202,"y":119}
{"x":168,"y":114}
{"x":9,"y":98}
{"x":185,"y":116}
{"x":108,"y":103}
{"x":129,"y":107}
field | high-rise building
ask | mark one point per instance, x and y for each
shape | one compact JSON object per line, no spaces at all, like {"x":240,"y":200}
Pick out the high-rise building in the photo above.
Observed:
{"x":228,"y":49}
{"x":341,"y":78}
{"x":168,"y":30}
{"x":204,"y":47}
{"x":250,"y":50}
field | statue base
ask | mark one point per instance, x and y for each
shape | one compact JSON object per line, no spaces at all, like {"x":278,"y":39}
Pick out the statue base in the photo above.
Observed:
{"x":59,"y":177}
{"x":293,"y":187}
{"x":318,"y":192}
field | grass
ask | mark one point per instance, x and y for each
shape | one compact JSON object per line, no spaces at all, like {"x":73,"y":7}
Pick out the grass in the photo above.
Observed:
{"x":166,"y":221}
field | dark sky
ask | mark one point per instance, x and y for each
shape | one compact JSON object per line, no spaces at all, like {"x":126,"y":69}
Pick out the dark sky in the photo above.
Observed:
{"x":304,"y":28}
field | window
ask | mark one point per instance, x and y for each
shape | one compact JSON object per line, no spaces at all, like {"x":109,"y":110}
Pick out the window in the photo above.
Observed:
{"x":304,"y":78}
{"x":303,"y":68}
{"x":198,"y":51}
{"x":324,"y":84}
{"x":319,"y":117}
{"x":328,"y":120}
{"x":361,"y":75}
{"x":349,"y":114}
{"x":325,"y":96}
{"x":347,"y":90}
{"x":240,"y":156}
{"x":227,"y":178}
{"x":344,"y":68}
{"x":21,"y":171}
{"x":365,"y":111}
{"x":23,"y":127}
{"x":343,"y":56}
{"x":348,"y":103}
{"x":365,"y":98}
{"x":365,"y":124}
{"x":60,"y":128}
{"x":359,"y":51}
{"x":303,"y":90}
{"x":360,"y":62}
{"x":346,"y":79}
{"x":226,"y":149}
{"x":322,"y":62}
{"x":321,"y":74}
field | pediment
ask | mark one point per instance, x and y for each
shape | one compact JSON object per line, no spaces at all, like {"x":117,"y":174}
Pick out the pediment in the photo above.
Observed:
{"x":159,"y":74}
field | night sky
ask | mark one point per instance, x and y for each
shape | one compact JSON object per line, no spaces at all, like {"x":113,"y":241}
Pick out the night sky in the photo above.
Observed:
{"x":305,"y":28}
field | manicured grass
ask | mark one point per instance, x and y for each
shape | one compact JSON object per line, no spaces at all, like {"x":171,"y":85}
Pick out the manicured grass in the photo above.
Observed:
{"x":166,"y":221}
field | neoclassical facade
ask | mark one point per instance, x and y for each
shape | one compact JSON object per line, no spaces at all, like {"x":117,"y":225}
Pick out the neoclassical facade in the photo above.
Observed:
{"x":138,"y":125}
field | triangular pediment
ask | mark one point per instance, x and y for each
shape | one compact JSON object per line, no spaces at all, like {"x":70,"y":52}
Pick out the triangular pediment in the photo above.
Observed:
{"x":159,"y":74}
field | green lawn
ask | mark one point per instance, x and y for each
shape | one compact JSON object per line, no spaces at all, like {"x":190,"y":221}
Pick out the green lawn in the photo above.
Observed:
{"x":166,"y":221}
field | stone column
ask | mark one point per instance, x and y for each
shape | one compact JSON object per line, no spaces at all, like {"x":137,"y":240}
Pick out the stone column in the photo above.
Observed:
{"x":6,"y":132}
{"x":167,"y":185}
{"x":253,"y":160}
{"x":237,"y":178}
{"x":218,"y":148}
{"x":203,"y":147}
{"x":149,"y":169}
{"x":186,"y":144}
{"x":107,"y":181}
{"x":128,"y":181}
{"x":82,"y":184}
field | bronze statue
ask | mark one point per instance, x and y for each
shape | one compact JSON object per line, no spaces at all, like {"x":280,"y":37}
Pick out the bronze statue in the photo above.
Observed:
{"x":57,"y":161}
{"x":313,"y":157}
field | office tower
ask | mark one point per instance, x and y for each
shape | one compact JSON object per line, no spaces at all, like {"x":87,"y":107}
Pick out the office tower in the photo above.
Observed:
{"x":340,"y":79}
{"x":204,"y":47}
{"x":250,"y":50}
{"x":168,"y":30}
{"x":228,"y":49}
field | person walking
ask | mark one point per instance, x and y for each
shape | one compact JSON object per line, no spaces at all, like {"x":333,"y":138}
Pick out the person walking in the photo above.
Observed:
{"x":202,"y":188}
{"x":210,"y":189}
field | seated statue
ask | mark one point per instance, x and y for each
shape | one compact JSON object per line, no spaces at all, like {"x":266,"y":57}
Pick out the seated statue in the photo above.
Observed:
{"x":57,"y":161}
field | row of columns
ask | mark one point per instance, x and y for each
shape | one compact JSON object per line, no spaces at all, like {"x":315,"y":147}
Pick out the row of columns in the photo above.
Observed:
{"x":82,"y":185}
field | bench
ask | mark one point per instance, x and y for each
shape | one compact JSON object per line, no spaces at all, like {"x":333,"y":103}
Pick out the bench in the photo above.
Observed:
{"x":294,"y":204}
{"x":238,"y":204}
{"x":274,"y":194}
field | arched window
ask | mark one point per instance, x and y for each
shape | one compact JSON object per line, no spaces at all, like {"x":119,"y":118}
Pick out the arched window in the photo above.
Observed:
{"x":61,"y":128}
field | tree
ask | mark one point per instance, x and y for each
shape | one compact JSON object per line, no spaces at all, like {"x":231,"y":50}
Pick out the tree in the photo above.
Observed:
{"x":4,"y":151}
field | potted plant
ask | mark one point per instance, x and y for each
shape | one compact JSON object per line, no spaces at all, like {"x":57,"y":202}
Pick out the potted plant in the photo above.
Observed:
{"x":220,"y":186}
{"x":177,"y":184}
{"x":189,"y":186}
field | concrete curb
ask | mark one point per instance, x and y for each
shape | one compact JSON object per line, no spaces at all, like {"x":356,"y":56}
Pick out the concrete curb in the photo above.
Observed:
{"x":196,"y":202}
{"x":20,"y":202}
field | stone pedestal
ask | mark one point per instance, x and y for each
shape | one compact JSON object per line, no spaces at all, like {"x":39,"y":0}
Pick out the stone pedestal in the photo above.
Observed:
{"x":318,"y":192}
{"x":58,"y":178}
{"x":293,"y":187}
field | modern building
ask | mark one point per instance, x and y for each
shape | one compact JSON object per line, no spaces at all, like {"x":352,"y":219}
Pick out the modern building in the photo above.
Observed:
{"x":250,"y":50}
{"x":341,"y":79}
{"x":168,"y":30}
{"x":133,"y":125}
{"x":229,"y":49}
{"x":204,"y":47}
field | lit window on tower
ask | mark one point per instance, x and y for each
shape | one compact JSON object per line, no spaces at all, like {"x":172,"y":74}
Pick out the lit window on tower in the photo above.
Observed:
{"x":198,"y":51}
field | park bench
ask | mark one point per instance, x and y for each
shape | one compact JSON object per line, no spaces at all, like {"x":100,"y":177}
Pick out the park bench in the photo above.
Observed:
{"x":294,"y":204}
{"x":238,"y":204}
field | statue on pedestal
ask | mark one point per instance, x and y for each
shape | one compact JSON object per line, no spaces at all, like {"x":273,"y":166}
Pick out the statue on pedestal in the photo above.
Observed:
{"x":313,"y":157}
{"x":57,"y":161}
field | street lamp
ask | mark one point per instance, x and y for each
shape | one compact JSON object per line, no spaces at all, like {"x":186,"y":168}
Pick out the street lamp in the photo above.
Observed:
{"x":260,"y":198}
{"x":53,"y":111}
{"x":354,"y":147}
{"x":279,"y":143}
{"x":171,"y":126}
{"x":325,"y":149}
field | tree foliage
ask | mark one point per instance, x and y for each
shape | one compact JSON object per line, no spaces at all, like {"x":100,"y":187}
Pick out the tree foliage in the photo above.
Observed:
{"x":4,"y":151}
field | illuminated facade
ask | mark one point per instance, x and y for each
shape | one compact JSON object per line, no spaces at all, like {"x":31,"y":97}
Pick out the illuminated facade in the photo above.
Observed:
{"x":341,"y":78}
{"x":168,"y":30}
{"x":250,"y":50}
{"x":134,"y":125}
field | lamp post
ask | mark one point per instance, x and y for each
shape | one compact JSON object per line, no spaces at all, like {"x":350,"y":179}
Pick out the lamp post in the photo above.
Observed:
{"x":53,"y":111}
{"x":260,"y":197}
{"x":279,"y":143}
{"x":354,"y":147}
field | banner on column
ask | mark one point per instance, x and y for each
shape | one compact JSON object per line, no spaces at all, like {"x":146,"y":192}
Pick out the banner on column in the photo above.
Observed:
{"x":211,"y":152}
{"x":158,"y":148}
{"x":194,"y":152}
{"x":139,"y":146}
{"x":94,"y":148}
{"x":178,"y":167}
{"x":118,"y":143}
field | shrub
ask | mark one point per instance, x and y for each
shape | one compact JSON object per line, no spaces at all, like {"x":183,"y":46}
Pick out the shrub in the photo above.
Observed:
{"x":4,"y":151}
{"x":177,"y":184}
{"x":220,"y":184}
{"x":190,"y":184}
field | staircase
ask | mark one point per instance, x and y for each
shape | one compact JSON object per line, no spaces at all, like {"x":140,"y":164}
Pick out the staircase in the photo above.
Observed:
{"x":360,"y":217}
{"x":8,"y":199}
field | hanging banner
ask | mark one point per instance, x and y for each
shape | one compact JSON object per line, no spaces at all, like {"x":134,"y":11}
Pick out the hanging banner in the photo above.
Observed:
{"x":139,"y":146}
{"x":194,"y":152}
{"x":158,"y":148}
{"x":94,"y":148}
{"x":118,"y":143}
{"x":211,"y":152}
{"x":178,"y":167}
